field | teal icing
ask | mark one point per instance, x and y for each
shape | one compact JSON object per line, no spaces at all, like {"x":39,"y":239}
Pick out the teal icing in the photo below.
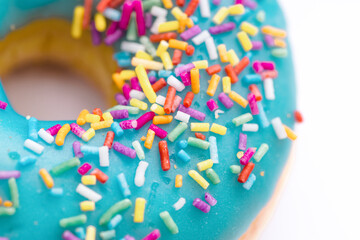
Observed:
{"x":39,"y":213}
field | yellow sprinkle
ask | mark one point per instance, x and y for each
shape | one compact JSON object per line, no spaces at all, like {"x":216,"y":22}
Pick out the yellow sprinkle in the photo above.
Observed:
{"x":200,"y":127}
{"x":177,"y":44}
{"x":100,"y":22}
{"x":182,"y":24}
{"x":236,"y":9}
{"x":226,"y":81}
{"x":107,"y":116}
{"x":76,"y":27}
{"x":175,"y":166}
{"x":238,"y":99}
{"x":240,"y":154}
{"x":178,"y":181}
{"x":143,"y":55}
{"x":249,"y":28}
{"x":118,"y":80}
{"x":163,"y":46}
{"x":166,"y":59}
{"x":202,"y":166}
{"x":278,"y":42}
{"x":214,"y":81}
{"x":233,"y":58}
{"x":139,"y":210}
{"x":167,"y":4}
{"x":162,"y":119}
{"x":149,"y":139}
{"x":143,"y":138}
{"x":90,"y":233}
{"x":290,"y":133}
{"x":272,"y":31}
{"x":8,"y":203}
{"x":262,"y":173}
{"x":178,"y":13}
{"x":219,"y":129}
{"x":89,"y":134}
{"x":145,"y":83}
{"x":86,"y":206}
{"x":60,"y":136}
{"x":189,"y":23}
{"x":244,"y":41}
{"x":220,"y":15}
{"x":92,"y":118}
{"x":127,"y":74}
{"x":81,"y":118}
{"x":159,"y":110}
{"x":46,"y":177}
{"x":195,"y":80}
{"x":202,"y":64}
{"x":222,"y":52}
{"x":151,"y":65}
{"x":168,"y":26}
{"x":199,"y":179}
{"x":101,"y":125}
{"x":139,"y":104}
{"x":88,"y":180}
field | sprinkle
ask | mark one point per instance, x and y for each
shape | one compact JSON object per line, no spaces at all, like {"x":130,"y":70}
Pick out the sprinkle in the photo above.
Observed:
{"x":255,"y":90}
{"x":143,"y":119}
{"x":46,"y":177}
{"x":128,"y":124}
{"x":240,"y":154}
{"x":113,"y":210}
{"x":242,"y":119}
{"x":178,"y":181}
{"x":119,"y":114}
{"x":3,"y":105}
{"x":26,"y":161}
{"x":279,"y":52}
{"x":65,"y":166}
{"x":204,"y":8}
{"x":253,"y":104}
{"x":90,"y":233}
{"x":140,"y":173}
{"x":232,"y":57}
{"x":225,"y":100}
{"x":248,"y":184}
{"x":202,"y":64}
{"x":138,"y":149}
{"x":159,"y":84}
{"x":226,"y":81}
{"x":32,"y":129}
{"x":153,"y":235}
{"x":220,"y":15}
{"x":251,"y":79}
{"x":212,"y":105}
{"x":123,"y":185}
{"x":200,"y":127}
{"x":210,"y":199}
{"x":247,"y":156}
{"x":212,"y":175}
{"x":164,"y":155}
{"x":107,"y":235}
{"x":238,"y":99}
{"x":86,"y":206}
{"x":139,"y":210}
{"x":237,"y":9}
{"x":290,"y":133}
{"x":7,"y":211}
{"x":55,"y":129}
{"x":9,"y":174}
{"x":244,"y":62}
{"x":195,"y":80}
{"x":244,"y":41}
{"x":14,"y":192}
{"x":149,"y":139}
{"x":201,"y":205}
{"x":260,"y":16}
{"x":174,"y":82}
{"x":226,"y":27}
{"x":100,"y":176}
{"x":89,"y":150}
{"x":73,"y":221}
{"x":249,"y":28}
{"x":137,"y":94}
{"x":114,"y":222}
{"x":182,"y":144}
{"x":242,"y":141}
{"x":162,"y":119}
{"x":83,"y":169}
{"x":230,"y":72}
{"x":158,"y":11}
{"x":201,"y":37}
{"x":192,"y":112}
{"x":250,"y":127}
{"x":77,"y":130}
{"x":211,"y":48}
{"x":261,"y":152}
{"x":264,"y":122}
{"x":182,"y":155}
{"x":88,"y":193}
{"x":279,"y":128}
{"x":246,"y":171}
{"x":177,"y":131}
{"x":218,"y":129}
{"x":235,"y":169}
{"x":80,"y":233}
{"x":169,"y":222}
{"x":89,"y":134}
{"x":199,"y":179}
{"x":131,"y":110}
{"x":67,"y":235}
{"x":158,"y":131}
{"x":8,"y":204}
{"x":176,"y":104}
{"x":202,"y":166}
{"x":272,"y":31}
{"x":198,"y":143}
{"x":200,"y":136}
{"x":60,"y":137}
{"x":179,"y":204}
{"x":109,"y":139}
{"x":298,"y":116}
{"x":88,"y":180}
{"x":76,"y":27}
{"x":92,"y":118}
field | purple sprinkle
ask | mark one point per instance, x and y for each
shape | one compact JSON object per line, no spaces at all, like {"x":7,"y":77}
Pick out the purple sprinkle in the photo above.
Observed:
{"x":186,"y":79}
{"x":242,"y":141}
{"x":77,"y":149}
{"x":212,"y":105}
{"x":257,"y":45}
{"x":112,"y":38}
{"x":152,"y":79}
{"x":128,"y":124}
{"x":201,"y":205}
{"x":3,"y":105}
{"x":9,"y":174}
{"x":120,"y":114}
{"x":54,"y":129}
{"x":134,"y":83}
{"x":95,"y":34}
{"x":112,"y":28}
{"x":216,"y":2}
{"x":269,"y":40}
{"x":161,"y":133}
{"x":148,"y":20}
{"x":226,"y":27}
{"x":184,"y":68}
{"x":131,"y":153}
{"x":126,"y":91}
{"x":192,"y":112}
{"x":210,"y":199}
{"x":247,"y":156}
{"x":191,"y":32}
{"x":225,"y":100}
{"x":143,"y":119}
{"x":120,"y":99}
{"x":250,"y":4}
{"x":4,"y":238}
{"x":67,"y":235}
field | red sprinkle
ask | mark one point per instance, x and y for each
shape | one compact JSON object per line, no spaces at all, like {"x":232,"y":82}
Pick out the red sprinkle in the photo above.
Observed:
{"x":98,"y":112}
{"x":177,"y":57}
{"x":189,"y":50}
{"x":200,"y":136}
{"x":193,"y":4}
{"x":169,"y":101}
{"x":116,"y":3}
{"x":298,"y":116}
{"x":255,"y":90}
{"x":244,"y":62}
{"x":245,"y":173}
{"x":164,"y":155}
{"x":230,"y":71}
{"x":109,"y":139}
{"x":180,"y":3}
{"x":188,"y":99}
{"x":159,"y":84}
{"x":213,"y":69}
{"x":100,"y":176}
{"x":87,"y":13}
{"x":162,"y":36}
{"x":102,"y":5}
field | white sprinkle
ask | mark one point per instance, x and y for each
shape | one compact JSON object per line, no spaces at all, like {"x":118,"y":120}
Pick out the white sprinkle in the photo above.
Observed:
{"x":33,"y":146}
{"x":138,"y":149}
{"x":174,"y":82}
{"x":204,"y":8}
{"x":158,"y":11}
{"x":47,"y":137}
{"x":214,"y":156}
{"x":131,"y":47}
{"x":201,"y":37}
{"x":137,"y":94}
{"x":183,"y":117}
{"x":140,"y":173}
{"x":155,"y":27}
{"x":269,"y":89}
{"x":250,"y":127}
{"x":179,"y":204}
{"x":217,"y":112}
{"x":104,"y":156}
{"x":279,"y":128}
{"x":211,"y":48}
{"x":160,"y":100}
{"x":88,"y":193}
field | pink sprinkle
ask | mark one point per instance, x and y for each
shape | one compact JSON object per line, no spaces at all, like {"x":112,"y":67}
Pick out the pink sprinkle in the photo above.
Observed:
{"x":143,"y":119}
{"x":134,"y":83}
{"x":212,"y":105}
{"x":148,"y":20}
{"x":184,"y":68}
{"x":128,"y":237}
{"x":112,"y":38}
{"x":216,"y":2}
{"x":77,"y":149}
{"x":126,"y":91}
{"x":192,"y":112}
{"x":67,"y":235}
{"x":83,"y":169}
{"x":124,"y":150}
{"x":186,"y":79}
{"x":128,"y":124}
{"x":191,"y":32}
{"x":250,"y":4}
{"x":9,"y":174}
{"x":242,"y":141}
{"x":247,"y":156}
{"x":257,"y":67}
{"x":268,"y":65}
{"x":225,"y":100}
{"x":269,"y":74}
{"x":253,"y":104}
{"x":95,"y":34}
{"x":269,"y":40}
{"x":3,"y":105}
{"x":161,"y":133}
{"x":112,"y":28}
{"x":125,"y":16}
{"x":177,"y":101}
{"x":139,"y":17}
{"x":257,"y":45}
{"x":226,"y":27}
{"x":54,"y":129}
{"x":77,"y":130}
{"x":153,"y":235}
{"x":120,"y":99}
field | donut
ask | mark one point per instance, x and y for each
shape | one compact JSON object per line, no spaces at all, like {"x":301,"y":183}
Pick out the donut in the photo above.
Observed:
{"x":199,"y":131}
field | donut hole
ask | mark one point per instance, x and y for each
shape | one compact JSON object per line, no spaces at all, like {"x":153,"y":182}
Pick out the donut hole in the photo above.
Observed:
{"x":51,"y":91}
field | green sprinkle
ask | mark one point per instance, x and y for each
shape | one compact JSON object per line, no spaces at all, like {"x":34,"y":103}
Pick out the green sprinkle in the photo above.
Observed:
{"x":261,"y":152}
{"x":73,"y":221}
{"x":139,"y":150}
{"x":196,"y":142}
{"x":235,"y":169}
{"x":147,"y":5}
{"x":113,"y":210}
{"x":260,"y":16}
{"x":131,"y":110}
{"x":107,"y":235}
{"x":279,"y":52}
{"x":247,"y":117}
{"x":7,"y":211}
{"x":212,"y":175}
{"x":131,"y":33}
{"x":149,"y":46}
{"x":177,"y":131}
{"x":65,"y":166}
{"x":169,"y":222}
{"x":14,"y":193}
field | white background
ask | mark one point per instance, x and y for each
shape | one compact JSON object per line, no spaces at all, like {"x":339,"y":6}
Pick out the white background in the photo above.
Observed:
{"x":321,"y":199}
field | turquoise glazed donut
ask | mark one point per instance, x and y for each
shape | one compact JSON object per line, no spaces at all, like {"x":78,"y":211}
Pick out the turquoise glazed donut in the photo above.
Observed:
{"x":42,"y":203}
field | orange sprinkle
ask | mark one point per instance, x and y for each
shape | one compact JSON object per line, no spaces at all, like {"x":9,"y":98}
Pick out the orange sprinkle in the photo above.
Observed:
{"x":298,"y":117}
{"x":244,"y":62}
{"x":200,"y":136}
{"x":102,"y":5}
{"x":98,"y":111}
{"x":87,"y":13}
{"x":180,"y":3}
{"x":188,"y":99}
{"x":169,"y":101}
{"x":162,"y":36}
{"x":143,"y":138}
{"x":0,"y":200}
{"x":189,"y":50}
{"x":158,"y":85}
{"x":262,"y":173}
{"x":255,"y":90}
{"x":230,"y":71}
{"x":213,"y":69}
{"x":290,"y":133}
{"x":8,"y":204}
{"x":177,"y":57}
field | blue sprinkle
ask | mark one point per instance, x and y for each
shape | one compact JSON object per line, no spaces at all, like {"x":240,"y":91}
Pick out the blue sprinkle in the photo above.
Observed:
{"x":183,"y":156}
{"x":112,"y":14}
{"x":122,"y":55}
{"x":124,"y":187}
{"x":14,"y":155}
{"x":80,"y":232}
{"x":248,"y":184}
{"x":89,"y":150}
{"x":152,"y":73}
{"x":25,"y":161}
{"x":251,"y":79}
{"x":57,"y":192}
{"x":263,"y":120}
{"x":182,"y":144}
{"x":165,"y":73}
{"x":124,"y":62}
{"x":117,"y":129}
{"x":114,"y":221}
{"x":32,"y":123}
